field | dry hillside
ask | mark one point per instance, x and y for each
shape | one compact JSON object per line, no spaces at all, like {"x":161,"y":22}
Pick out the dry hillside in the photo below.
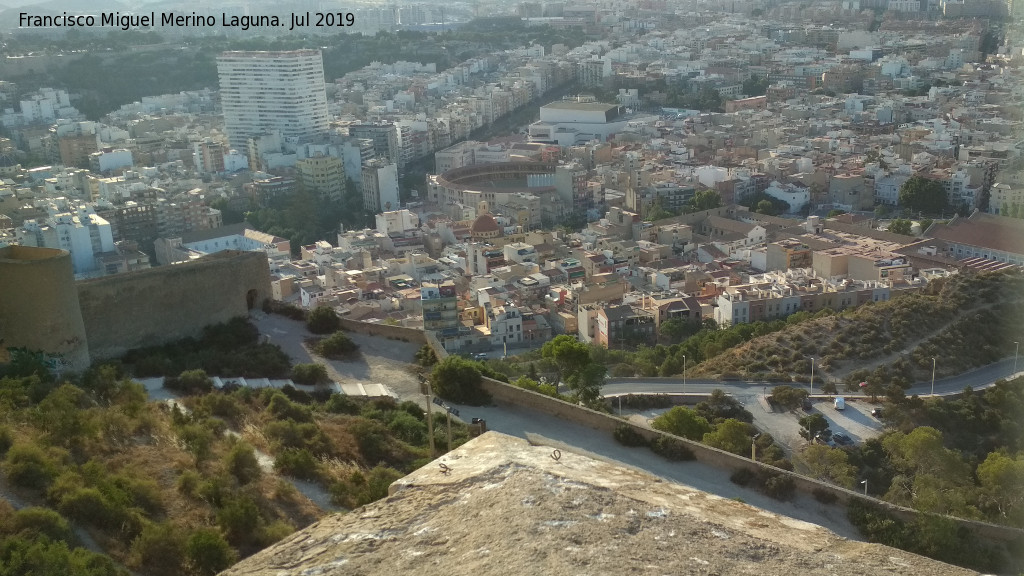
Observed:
{"x":967,"y":320}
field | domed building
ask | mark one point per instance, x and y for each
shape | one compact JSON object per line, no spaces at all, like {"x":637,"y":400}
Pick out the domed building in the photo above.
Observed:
{"x":485,"y":226}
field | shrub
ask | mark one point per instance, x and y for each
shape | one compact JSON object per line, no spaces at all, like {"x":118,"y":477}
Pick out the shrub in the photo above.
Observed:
{"x":239,"y":517}
{"x":298,"y":463}
{"x":208,"y":552}
{"x":281,"y":408}
{"x":310,"y":374}
{"x":241,"y":462}
{"x":28,"y":466}
{"x":190,"y":382}
{"x":341,"y":404}
{"x":742,"y":476}
{"x":337,"y":346}
{"x":628,"y":436}
{"x":160,"y":549}
{"x":778,"y":486}
{"x":189,"y":483}
{"x":824,"y":496}
{"x":323,"y":320}
{"x":672,"y":449}
{"x":42,"y":522}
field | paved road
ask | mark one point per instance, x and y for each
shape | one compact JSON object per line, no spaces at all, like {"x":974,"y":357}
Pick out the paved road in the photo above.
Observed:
{"x":978,"y":378}
{"x":520,"y":422}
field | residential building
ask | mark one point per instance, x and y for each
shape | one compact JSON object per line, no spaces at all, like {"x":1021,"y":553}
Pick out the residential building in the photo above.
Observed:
{"x":616,"y":326}
{"x":440,"y":307}
{"x":272,"y":91}
{"x":322,"y":175}
{"x":380,"y":186}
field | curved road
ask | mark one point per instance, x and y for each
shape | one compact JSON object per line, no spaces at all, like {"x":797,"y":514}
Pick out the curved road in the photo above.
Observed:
{"x":977,"y":378}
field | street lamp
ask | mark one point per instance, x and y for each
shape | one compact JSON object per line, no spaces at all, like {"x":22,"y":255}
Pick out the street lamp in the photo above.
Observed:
{"x":1016,"y":349}
{"x":810,"y":388}
{"x":865,"y":483}
{"x":684,"y":374}
{"x":753,"y":447}
{"x":933,"y":376}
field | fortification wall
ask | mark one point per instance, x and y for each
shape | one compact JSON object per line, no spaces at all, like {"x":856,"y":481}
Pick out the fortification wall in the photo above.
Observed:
{"x":167,"y":303}
{"x":39,"y":305}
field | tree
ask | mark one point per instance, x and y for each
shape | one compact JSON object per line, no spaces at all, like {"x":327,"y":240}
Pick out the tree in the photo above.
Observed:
{"x":458,"y":380}
{"x":720,"y":406}
{"x":208,"y":552}
{"x":923,"y":195}
{"x":835,"y":212}
{"x":310,"y":374}
{"x":677,"y":329}
{"x":788,"y":396}
{"x":766,"y":207}
{"x":1002,"y":481}
{"x":756,"y":85}
{"x":706,"y":199}
{"x":881,"y":211}
{"x":926,"y":224}
{"x":684,"y":422}
{"x":900,"y":226}
{"x":829,"y":464}
{"x":569,"y":355}
{"x":732,"y":436}
{"x":814,"y":424}
{"x":323,"y":320}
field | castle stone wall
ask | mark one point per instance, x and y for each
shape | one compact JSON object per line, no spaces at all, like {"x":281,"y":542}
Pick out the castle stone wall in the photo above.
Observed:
{"x":162,"y":304}
{"x":39,"y":305}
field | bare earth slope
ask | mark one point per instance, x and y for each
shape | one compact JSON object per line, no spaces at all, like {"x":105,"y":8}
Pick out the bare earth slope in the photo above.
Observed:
{"x":506,"y":507}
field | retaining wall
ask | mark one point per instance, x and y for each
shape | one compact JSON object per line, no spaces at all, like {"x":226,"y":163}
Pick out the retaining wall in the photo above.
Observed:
{"x":385,"y":330}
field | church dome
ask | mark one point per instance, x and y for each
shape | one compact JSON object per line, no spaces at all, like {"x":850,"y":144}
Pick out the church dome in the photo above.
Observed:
{"x":485,"y":224}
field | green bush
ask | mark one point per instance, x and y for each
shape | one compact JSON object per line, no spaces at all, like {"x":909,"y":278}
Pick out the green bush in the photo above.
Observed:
{"x":28,"y":466}
{"x":342,"y":404}
{"x":208,"y":552}
{"x":323,"y":320}
{"x":310,"y":374}
{"x":825,"y":496}
{"x":192,"y":382}
{"x":628,"y":436}
{"x":241,"y":462}
{"x":239,"y":517}
{"x":298,"y":463}
{"x":742,"y":476}
{"x":672,"y":449}
{"x":160,"y":549}
{"x":337,"y":346}
{"x":778,"y":486}
{"x":459,"y":380}
{"x":42,"y":522}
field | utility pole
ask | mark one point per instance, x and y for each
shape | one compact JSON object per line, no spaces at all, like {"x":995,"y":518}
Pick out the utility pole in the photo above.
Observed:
{"x":449,"y":415}
{"x":1016,"y":349}
{"x":430,"y":414}
{"x":933,"y":376}
{"x":810,"y":389}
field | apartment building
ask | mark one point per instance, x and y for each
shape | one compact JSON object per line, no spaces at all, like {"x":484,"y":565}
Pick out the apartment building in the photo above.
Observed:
{"x":272,"y":91}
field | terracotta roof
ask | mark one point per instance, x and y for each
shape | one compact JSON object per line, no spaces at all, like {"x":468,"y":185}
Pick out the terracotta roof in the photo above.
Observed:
{"x":984,"y":231}
{"x":484,"y":223}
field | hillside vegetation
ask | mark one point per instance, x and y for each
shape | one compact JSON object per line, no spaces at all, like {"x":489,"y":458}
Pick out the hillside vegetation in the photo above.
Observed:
{"x":964,"y":321}
{"x":95,"y":478}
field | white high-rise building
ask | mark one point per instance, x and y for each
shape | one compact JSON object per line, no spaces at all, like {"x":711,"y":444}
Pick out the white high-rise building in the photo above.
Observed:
{"x":264,"y":92}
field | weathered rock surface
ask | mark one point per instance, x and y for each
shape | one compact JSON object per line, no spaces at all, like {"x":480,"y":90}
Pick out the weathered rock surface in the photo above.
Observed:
{"x":505,"y":507}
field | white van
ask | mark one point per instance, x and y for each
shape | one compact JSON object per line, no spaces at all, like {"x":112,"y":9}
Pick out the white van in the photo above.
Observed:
{"x":840,"y":403}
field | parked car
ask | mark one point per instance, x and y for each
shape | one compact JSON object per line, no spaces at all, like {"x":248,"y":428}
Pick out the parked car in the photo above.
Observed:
{"x":842,"y":439}
{"x":877,"y":412}
{"x":808,"y":405}
{"x":840,"y":403}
